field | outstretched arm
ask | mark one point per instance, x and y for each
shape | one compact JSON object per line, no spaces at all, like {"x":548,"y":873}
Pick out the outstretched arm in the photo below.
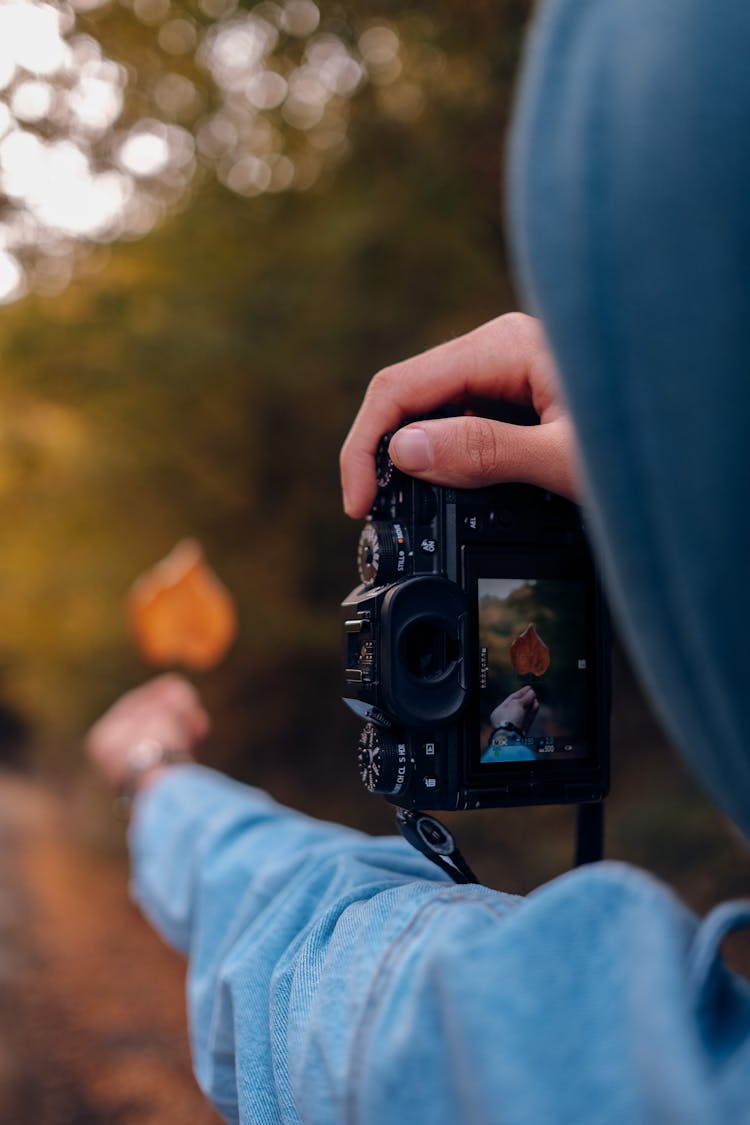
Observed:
{"x":337,"y":977}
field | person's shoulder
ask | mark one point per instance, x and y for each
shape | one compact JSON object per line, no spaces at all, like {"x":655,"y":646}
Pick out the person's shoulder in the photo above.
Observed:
{"x":552,"y":1006}
{"x":599,"y":902}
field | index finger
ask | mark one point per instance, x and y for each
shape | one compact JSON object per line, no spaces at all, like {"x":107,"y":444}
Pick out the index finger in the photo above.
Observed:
{"x":493,"y":361}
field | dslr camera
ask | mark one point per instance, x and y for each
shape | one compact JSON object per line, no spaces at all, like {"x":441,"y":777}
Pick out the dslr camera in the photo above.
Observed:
{"x":476,"y":648}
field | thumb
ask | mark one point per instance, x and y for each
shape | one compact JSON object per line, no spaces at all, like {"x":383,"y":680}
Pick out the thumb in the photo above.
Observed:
{"x":471,"y":452}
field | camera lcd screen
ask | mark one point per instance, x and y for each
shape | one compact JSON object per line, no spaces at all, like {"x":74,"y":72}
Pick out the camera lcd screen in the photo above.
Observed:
{"x":534,"y":657}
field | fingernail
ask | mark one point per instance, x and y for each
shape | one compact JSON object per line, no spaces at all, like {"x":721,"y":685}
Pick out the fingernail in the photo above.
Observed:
{"x":411,"y":449}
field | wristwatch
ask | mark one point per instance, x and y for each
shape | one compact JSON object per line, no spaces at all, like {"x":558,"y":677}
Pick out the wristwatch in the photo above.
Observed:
{"x":506,"y":727}
{"x":144,"y":755}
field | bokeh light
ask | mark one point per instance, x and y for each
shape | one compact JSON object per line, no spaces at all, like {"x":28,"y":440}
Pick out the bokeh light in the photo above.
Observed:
{"x":258,"y":97}
{"x":11,"y":277}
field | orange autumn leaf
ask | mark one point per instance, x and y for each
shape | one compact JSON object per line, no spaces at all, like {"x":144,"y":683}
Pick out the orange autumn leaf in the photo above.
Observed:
{"x":529,"y":654}
{"x":180,"y":612}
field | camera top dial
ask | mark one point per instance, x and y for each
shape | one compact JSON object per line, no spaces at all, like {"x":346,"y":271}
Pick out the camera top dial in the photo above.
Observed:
{"x":383,"y":464}
{"x":382,"y":553}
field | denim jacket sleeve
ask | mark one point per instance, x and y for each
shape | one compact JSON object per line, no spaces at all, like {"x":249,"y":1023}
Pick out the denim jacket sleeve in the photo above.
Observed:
{"x":338,"y":977}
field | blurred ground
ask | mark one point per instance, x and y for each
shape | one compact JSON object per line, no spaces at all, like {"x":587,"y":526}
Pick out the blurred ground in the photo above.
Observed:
{"x":92,"y":1014}
{"x":92,"y":1025}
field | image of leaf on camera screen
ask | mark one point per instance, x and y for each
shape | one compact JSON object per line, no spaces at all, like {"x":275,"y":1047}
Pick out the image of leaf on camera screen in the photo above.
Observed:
{"x":532,"y":638}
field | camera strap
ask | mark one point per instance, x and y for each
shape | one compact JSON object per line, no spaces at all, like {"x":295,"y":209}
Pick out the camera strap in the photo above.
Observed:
{"x":432,"y":839}
{"x":589,"y":833}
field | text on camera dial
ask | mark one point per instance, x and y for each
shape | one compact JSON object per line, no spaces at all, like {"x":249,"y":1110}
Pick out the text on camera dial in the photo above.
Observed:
{"x":383,"y":761}
{"x":382,"y":552}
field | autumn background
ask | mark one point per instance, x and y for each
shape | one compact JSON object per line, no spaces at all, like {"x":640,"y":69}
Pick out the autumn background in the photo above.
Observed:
{"x":216,"y":223}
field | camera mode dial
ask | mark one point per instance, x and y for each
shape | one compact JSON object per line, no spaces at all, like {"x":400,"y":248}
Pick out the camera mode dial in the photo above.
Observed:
{"x":383,"y":760}
{"x":382,"y":553}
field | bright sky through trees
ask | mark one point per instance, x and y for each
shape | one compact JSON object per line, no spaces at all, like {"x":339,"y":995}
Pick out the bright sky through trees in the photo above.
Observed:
{"x":258,"y":96}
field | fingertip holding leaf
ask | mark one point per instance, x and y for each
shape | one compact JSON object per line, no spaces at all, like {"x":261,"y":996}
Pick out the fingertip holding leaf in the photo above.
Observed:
{"x":529,"y":654}
{"x":181,"y":612}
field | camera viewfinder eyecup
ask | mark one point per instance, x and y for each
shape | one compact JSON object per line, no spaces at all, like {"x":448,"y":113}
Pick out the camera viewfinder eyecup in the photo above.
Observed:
{"x":423,"y":650}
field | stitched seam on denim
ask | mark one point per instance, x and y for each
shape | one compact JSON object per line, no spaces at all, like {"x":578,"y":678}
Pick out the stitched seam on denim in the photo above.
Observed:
{"x":386,"y":969}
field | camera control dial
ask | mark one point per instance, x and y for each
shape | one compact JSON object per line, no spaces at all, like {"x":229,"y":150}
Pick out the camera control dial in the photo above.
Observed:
{"x":382,"y":552}
{"x":384,"y":763}
{"x":383,"y":464}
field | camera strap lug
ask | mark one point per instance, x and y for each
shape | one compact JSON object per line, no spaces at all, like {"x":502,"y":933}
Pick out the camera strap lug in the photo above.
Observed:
{"x":432,"y":839}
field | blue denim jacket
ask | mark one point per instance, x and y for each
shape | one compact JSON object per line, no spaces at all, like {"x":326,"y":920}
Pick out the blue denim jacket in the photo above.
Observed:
{"x":338,"y":978}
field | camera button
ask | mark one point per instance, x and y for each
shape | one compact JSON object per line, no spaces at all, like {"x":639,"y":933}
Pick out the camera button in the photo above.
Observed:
{"x":429,"y":749}
{"x":474,"y":522}
{"x":426,"y":503}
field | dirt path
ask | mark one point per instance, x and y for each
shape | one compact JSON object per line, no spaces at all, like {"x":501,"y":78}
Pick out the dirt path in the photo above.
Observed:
{"x":92,"y":1025}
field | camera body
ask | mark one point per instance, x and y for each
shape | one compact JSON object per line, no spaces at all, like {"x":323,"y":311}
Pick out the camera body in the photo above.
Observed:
{"x":477,"y":648}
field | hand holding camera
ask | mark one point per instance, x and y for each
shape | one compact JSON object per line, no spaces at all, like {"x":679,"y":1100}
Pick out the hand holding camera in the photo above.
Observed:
{"x":506,"y":359}
{"x":475,"y":596}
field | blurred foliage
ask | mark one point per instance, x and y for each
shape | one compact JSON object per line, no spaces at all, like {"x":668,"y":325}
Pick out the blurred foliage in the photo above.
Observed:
{"x":200,"y":382}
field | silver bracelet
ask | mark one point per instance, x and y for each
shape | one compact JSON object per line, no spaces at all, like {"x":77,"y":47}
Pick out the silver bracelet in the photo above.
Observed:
{"x":144,"y":755}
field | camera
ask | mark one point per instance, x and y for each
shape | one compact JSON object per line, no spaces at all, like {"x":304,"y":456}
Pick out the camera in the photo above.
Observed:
{"x":476,"y":648}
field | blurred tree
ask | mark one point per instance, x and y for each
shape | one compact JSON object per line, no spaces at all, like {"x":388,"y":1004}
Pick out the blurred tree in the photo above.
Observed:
{"x":200,"y":380}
